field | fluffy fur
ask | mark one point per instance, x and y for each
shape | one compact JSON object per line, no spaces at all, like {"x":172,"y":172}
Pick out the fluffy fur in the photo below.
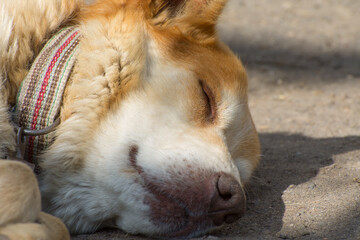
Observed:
{"x":154,"y":99}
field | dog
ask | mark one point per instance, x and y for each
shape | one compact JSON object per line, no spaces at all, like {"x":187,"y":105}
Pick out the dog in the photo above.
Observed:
{"x":155,"y":136}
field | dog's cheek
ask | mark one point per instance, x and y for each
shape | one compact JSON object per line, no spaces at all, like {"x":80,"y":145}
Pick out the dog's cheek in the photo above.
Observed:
{"x":246,"y":155}
{"x":243,"y":142}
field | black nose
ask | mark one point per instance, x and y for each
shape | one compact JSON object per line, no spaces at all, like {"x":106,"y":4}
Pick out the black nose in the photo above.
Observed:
{"x":228,"y":203}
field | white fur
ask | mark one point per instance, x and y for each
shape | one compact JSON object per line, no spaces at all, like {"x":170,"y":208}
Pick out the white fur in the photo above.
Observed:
{"x":234,"y":115}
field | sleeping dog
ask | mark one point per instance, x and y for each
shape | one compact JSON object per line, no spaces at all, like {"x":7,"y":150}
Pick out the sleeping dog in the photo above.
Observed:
{"x":133,"y":114}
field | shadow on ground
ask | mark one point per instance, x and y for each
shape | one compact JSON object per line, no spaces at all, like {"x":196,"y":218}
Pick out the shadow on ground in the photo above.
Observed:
{"x":288,"y":159}
{"x":294,"y":62}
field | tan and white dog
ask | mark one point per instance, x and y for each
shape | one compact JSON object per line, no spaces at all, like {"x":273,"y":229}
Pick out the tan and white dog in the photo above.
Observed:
{"x":156,"y":137}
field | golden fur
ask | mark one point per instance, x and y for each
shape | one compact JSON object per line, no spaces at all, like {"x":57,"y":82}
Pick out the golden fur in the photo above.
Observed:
{"x":123,"y":44}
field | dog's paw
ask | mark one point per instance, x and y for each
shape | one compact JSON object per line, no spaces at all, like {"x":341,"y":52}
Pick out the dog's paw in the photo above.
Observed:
{"x":19,"y":193}
{"x":46,"y":227}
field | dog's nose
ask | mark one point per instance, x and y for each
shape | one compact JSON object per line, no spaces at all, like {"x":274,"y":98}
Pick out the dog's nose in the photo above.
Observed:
{"x":228,"y":203}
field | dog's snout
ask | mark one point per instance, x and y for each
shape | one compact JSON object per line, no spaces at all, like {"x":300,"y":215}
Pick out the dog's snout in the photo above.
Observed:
{"x":228,"y":203}
{"x":207,"y":198}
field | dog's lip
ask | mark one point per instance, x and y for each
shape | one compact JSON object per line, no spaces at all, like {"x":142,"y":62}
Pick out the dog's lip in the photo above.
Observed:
{"x":220,"y":211}
{"x":190,"y":224}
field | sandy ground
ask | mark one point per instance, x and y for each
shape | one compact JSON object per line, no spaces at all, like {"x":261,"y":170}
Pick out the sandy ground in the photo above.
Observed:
{"x":303,"y":61}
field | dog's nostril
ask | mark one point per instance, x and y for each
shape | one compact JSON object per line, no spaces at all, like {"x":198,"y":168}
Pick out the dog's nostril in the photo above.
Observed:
{"x":228,"y":202}
{"x":227,"y":186}
{"x":223,"y":190}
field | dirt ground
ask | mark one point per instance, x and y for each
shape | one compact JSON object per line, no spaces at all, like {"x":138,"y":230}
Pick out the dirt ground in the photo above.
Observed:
{"x":303,"y":62}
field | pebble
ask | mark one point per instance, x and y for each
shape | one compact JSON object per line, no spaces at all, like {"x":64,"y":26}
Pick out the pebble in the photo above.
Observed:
{"x":312,"y":185}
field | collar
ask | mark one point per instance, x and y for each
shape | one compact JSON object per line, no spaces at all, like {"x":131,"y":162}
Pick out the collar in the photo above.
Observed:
{"x":40,"y":95}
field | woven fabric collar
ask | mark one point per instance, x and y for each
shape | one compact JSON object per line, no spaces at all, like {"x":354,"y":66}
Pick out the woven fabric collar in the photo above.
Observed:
{"x":40,"y":94}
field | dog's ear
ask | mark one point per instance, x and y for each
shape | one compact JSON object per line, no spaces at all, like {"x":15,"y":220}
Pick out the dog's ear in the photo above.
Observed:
{"x":196,"y":18}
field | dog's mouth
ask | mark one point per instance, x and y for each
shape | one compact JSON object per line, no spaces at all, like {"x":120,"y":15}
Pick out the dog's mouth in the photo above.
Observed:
{"x":174,"y":217}
{"x":189,"y":205}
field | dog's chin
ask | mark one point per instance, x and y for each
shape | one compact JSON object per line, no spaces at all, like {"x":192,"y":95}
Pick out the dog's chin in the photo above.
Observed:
{"x":171,"y":216}
{"x":177,"y":228}
{"x":165,"y":219}
{"x":176,"y":221}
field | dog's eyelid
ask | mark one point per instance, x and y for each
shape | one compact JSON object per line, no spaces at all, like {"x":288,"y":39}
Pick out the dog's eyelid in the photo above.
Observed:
{"x":210,"y":101}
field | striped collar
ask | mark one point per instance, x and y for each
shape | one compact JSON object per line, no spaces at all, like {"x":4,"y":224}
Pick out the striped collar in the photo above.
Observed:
{"x":40,"y":94}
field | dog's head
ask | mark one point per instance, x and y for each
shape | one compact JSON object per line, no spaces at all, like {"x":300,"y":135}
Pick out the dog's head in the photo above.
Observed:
{"x":156,"y":135}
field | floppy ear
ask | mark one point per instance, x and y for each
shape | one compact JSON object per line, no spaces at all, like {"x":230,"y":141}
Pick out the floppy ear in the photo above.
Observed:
{"x":196,"y":18}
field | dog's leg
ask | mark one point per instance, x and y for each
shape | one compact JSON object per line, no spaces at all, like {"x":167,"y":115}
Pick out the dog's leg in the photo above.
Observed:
{"x":20,"y":206}
{"x":46,"y":227}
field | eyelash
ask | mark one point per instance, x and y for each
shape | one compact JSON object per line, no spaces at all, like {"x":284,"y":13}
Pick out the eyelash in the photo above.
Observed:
{"x":210,"y":101}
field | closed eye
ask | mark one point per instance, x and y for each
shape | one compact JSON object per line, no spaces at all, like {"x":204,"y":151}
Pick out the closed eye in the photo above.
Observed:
{"x":210,"y":113}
